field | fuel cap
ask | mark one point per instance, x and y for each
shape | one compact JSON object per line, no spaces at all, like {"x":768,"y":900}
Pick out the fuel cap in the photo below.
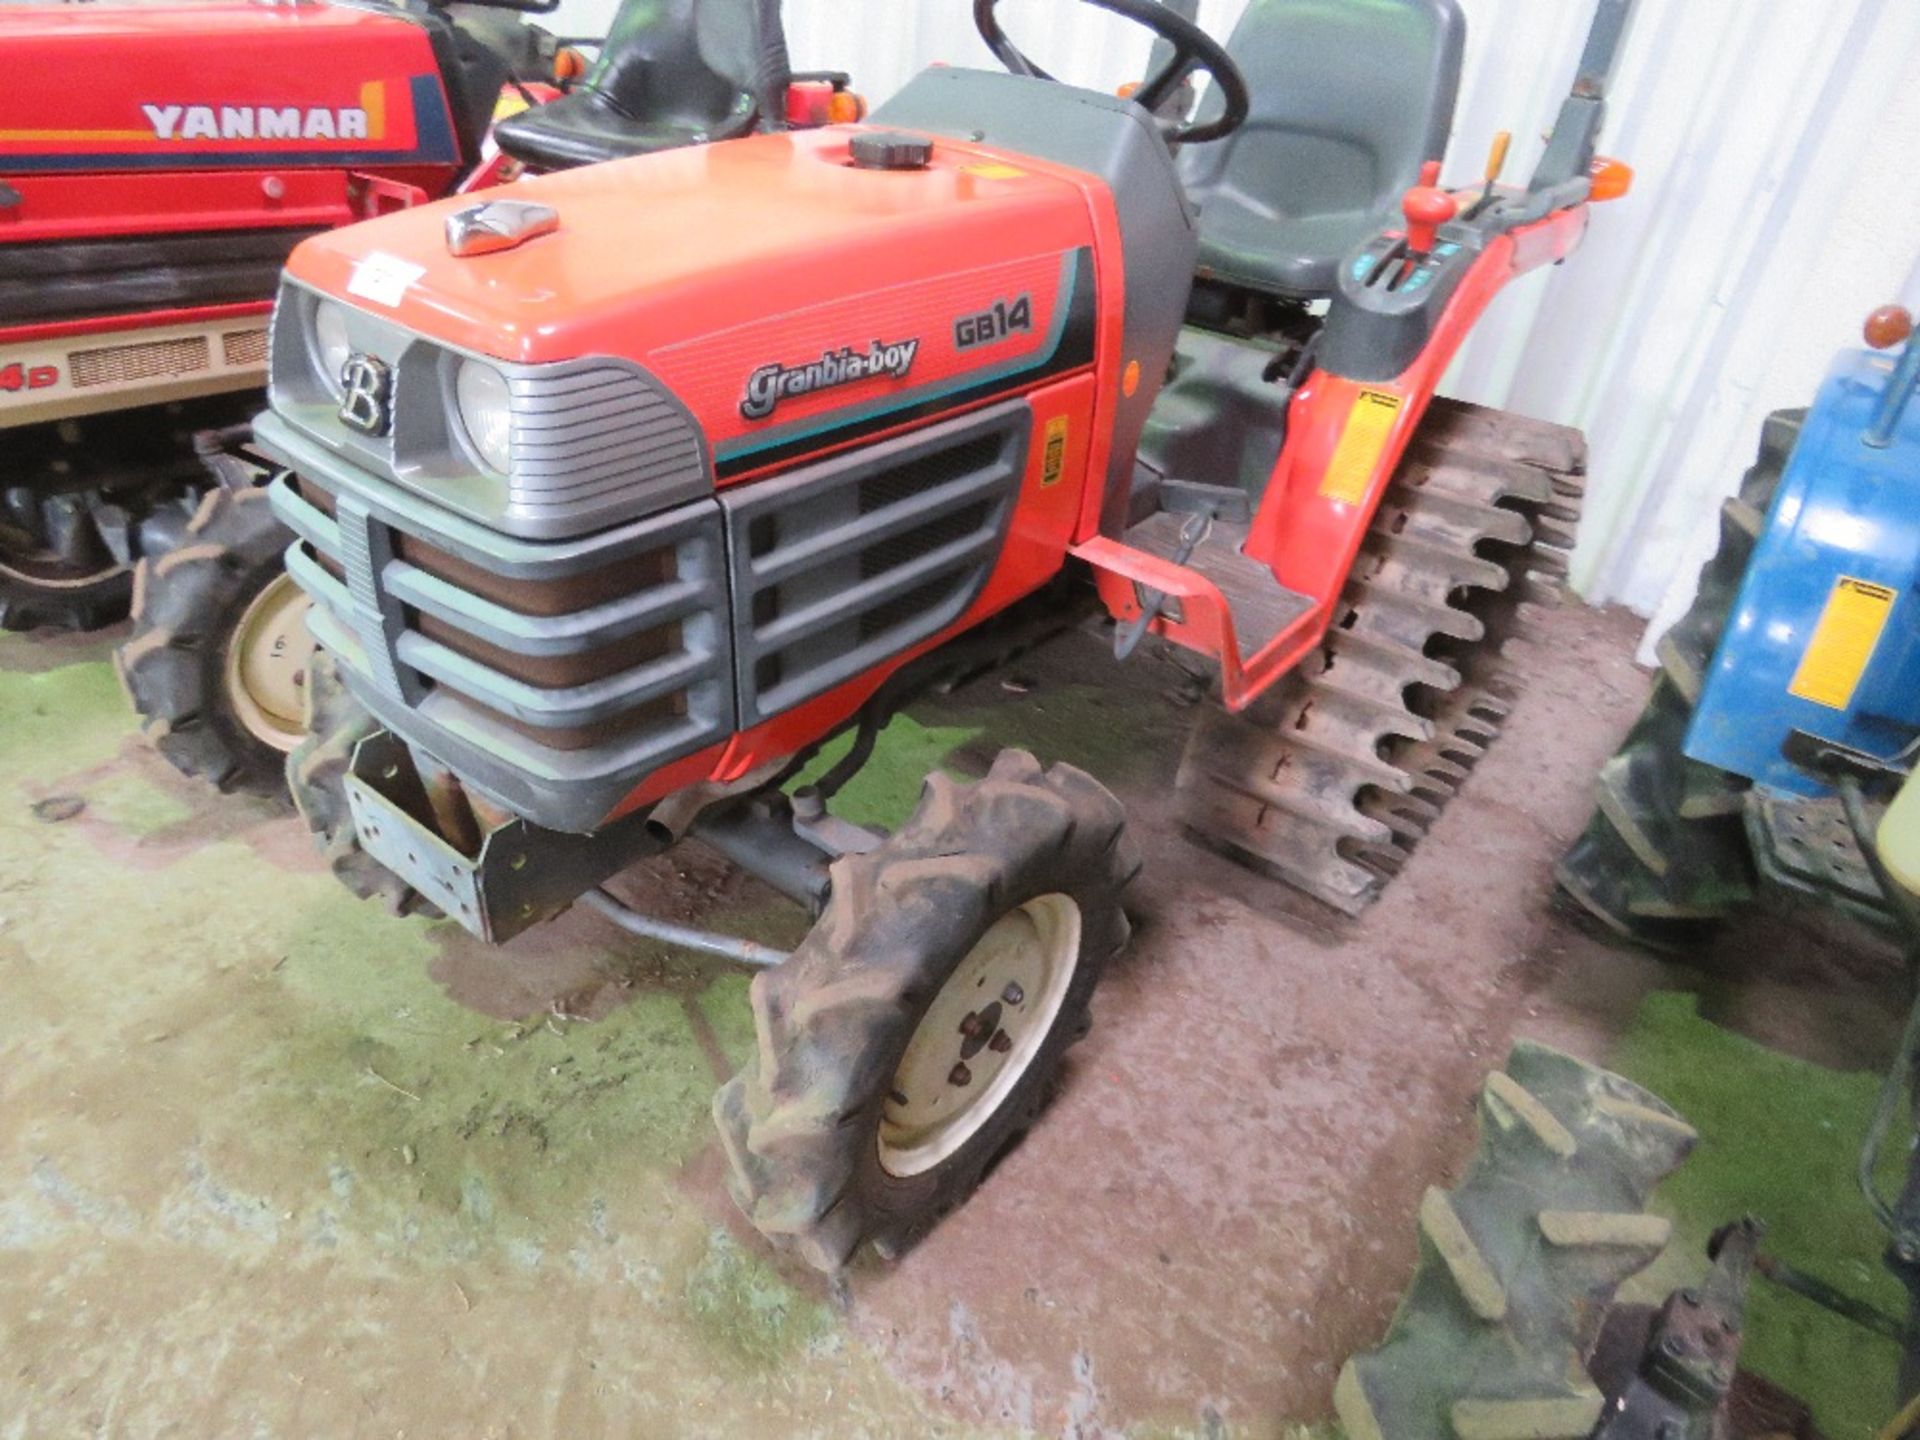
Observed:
{"x":891,"y":150}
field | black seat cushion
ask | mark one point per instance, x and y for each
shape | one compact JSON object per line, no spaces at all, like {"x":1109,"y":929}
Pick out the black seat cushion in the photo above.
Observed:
{"x":1349,"y":98}
{"x":671,"y":73}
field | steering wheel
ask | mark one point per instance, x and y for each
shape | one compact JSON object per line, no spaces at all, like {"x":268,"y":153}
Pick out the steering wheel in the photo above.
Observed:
{"x":1193,"y":49}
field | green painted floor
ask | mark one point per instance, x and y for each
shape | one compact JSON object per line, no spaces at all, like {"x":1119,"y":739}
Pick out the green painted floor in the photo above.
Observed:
{"x":273,"y":1163}
{"x":259,"y":1174}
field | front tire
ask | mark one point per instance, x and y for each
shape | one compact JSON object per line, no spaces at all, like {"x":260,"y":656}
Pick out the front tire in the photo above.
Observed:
{"x":220,"y":658}
{"x":316,"y":774}
{"x":918,"y":1029}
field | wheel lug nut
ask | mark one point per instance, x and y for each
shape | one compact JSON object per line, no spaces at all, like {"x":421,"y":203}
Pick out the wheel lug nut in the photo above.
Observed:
{"x":1001,"y":1042}
{"x":1013,"y":994}
{"x":970,"y":1026}
{"x":960,"y":1075}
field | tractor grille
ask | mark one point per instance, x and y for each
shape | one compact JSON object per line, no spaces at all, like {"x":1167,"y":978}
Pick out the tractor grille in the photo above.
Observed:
{"x":842,"y":564}
{"x":147,"y":360}
{"x":557,"y":675}
{"x":244,"y":349}
{"x":600,"y":658}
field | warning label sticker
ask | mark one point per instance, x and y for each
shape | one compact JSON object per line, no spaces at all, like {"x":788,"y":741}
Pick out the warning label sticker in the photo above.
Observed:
{"x":1843,"y":643}
{"x":1358,"y":452}
{"x":1054,"y":463}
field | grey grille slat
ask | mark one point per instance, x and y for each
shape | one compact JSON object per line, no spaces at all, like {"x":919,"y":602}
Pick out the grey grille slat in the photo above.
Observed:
{"x":364,"y":549}
{"x":871,"y":594}
{"x":553,"y":709}
{"x":841,"y":564}
{"x":587,"y":434}
{"x":307,"y":521}
{"x":880,"y":525}
{"x":569,"y":634}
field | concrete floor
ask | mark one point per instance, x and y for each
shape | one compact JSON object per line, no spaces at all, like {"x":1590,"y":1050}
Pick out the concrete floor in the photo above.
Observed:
{"x":273,"y":1164}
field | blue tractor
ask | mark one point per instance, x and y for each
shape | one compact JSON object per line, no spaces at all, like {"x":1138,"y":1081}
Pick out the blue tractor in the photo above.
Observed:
{"x":1787,"y":709}
{"x":1778,"y":746}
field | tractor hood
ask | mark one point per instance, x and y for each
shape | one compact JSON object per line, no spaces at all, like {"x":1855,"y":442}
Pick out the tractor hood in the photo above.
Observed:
{"x":759,"y":281}
{"x":660,"y":249}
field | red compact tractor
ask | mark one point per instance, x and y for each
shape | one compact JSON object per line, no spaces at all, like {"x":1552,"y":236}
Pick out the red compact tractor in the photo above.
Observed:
{"x":619,"y":493}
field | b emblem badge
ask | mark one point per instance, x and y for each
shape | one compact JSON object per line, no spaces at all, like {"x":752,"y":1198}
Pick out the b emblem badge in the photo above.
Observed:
{"x":366,"y":402}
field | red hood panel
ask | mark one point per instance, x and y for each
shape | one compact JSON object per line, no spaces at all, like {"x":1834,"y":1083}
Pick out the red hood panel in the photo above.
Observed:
{"x":766,"y":281}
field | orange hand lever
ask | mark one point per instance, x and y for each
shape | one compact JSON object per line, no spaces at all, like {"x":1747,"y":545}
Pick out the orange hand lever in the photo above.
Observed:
{"x":1427,"y":208}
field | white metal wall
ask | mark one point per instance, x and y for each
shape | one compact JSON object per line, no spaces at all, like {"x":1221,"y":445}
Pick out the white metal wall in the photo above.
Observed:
{"x":1776,"y":203}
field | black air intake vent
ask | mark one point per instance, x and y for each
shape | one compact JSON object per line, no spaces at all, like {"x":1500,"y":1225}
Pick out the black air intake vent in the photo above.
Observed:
{"x":842,"y":564}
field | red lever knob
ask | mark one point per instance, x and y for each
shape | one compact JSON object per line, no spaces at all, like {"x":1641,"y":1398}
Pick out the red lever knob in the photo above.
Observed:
{"x":1427,"y":208}
{"x":1889,"y":326}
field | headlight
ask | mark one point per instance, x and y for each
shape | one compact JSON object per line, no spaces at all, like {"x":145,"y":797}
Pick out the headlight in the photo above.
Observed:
{"x":486,"y":411}
{"x":330,"y":340}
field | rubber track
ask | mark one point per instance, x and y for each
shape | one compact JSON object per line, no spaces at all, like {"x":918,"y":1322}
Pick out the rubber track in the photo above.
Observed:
{"x":1665,"y":857}
{"x":1331,"y":779}
{"x":1520,"y":1261}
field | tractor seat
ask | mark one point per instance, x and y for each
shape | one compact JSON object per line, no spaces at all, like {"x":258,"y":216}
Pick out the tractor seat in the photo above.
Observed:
{"x":671,"y":73}
{"x":1349,"y":98}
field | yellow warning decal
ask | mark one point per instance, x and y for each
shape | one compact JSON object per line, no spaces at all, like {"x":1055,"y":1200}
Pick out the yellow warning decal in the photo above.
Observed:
{"x":993,"y":171}
{"x":1054,"y":462}
{"x":1360,"y":445}
{"x":1843,"y":643}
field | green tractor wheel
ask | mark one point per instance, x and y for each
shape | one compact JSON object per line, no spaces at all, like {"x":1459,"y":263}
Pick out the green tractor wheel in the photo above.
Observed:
{"x":1519,"y":1262}
{"x":1665,"y":857}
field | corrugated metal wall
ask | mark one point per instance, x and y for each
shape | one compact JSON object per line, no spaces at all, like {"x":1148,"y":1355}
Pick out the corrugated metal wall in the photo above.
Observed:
{"x":1776,"y":204}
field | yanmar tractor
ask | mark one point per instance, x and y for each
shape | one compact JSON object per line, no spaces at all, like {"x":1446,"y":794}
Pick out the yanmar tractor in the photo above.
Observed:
{"x":620,"y":493}
{"x":157,"y":165}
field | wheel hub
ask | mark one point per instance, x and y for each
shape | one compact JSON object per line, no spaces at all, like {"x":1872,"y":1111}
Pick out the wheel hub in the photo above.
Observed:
{"x":980,"y":1034}
{"x":268,"y":661}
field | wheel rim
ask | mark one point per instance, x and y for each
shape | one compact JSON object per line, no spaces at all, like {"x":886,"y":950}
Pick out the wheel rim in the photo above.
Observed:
{"x":980,"y":1035}
{"x":268,"y":660}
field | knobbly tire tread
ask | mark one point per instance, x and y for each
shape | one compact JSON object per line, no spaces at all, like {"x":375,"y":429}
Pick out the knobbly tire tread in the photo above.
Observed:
{"x":800,"y":1122}
{"x":26,"y":605}
{"x":1331,"y":779}
{"x":1520,"y":1261}
{"x":186,"y":604}
{"x":1665,"y":858}
{"x":316,"y":774}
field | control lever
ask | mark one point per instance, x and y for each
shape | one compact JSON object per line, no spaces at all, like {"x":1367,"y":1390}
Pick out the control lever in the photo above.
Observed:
{"x":1496,"y":165}
{"x":1427,"y":207}
{"x":1888,"y":327}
